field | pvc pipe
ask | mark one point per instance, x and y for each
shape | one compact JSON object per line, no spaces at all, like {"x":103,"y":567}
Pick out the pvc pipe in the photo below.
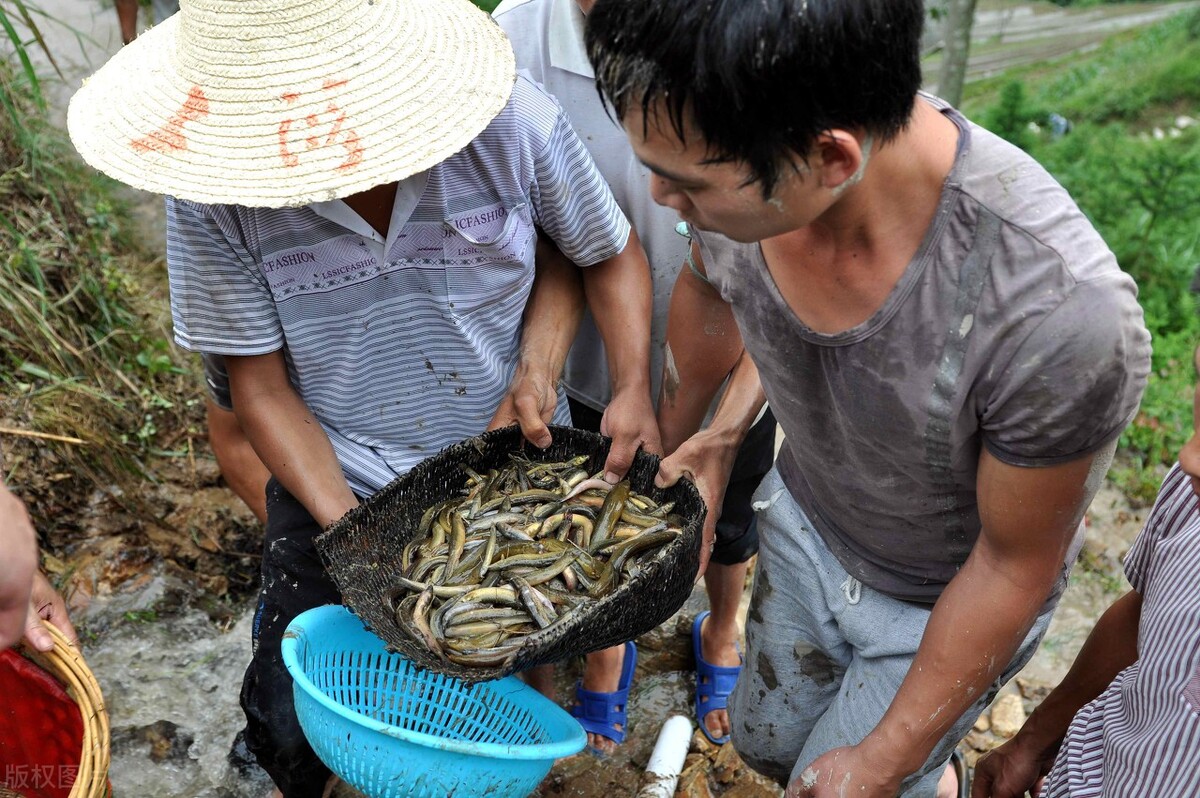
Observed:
{"x":666,"y":761}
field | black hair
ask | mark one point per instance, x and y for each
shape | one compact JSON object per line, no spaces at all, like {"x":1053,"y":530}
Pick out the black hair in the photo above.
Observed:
{"x":760,"y":80}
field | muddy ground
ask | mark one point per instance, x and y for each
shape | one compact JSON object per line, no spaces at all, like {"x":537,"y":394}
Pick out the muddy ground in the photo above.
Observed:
{"x":165,"y":615}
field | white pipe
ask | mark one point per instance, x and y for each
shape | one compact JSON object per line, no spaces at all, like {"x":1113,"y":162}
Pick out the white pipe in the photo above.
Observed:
{"x":666,"y":761}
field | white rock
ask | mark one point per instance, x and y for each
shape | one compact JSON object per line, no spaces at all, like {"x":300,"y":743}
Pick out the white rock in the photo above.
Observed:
{"x":1008,"y":715}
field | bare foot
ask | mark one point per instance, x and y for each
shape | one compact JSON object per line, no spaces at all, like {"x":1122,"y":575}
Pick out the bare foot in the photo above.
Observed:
{"x":719,"y":650}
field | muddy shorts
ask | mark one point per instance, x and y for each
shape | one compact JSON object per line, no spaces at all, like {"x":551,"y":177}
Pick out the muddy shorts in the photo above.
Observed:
{"x":825,"y":654}
{"x":293,"y":580}
{"x":737,"y":528}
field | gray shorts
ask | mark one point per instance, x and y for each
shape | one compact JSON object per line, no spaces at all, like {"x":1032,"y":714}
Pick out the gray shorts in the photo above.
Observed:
{"x":825,"y":654}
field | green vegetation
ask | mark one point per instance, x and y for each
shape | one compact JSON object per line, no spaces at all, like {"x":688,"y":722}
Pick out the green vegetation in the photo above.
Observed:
{"x":1086,"y":3}
{"x":83,"y":343}
{"x":1132,"y":162}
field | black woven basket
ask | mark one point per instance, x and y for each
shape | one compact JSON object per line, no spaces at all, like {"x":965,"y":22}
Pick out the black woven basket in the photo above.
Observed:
{"x":362,"y":551}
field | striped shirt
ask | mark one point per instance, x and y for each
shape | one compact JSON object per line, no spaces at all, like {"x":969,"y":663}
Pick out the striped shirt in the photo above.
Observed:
{"x":1141,"y":736}
{"x":401,"y":346}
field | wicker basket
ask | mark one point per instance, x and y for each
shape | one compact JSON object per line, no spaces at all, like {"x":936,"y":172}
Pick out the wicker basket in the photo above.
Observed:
{"x":362,"y":551}
{"x":65,"y":663}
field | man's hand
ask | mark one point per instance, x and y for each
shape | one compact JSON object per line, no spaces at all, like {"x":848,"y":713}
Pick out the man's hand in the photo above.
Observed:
{"x":842,"y":772}
{"x":707,"y":459}
{"x":629,"y":420}
{"x":1012,"y":769}
{"x":46,"y":605}
{"x":530,"y":402}
{"x":19,"y":544}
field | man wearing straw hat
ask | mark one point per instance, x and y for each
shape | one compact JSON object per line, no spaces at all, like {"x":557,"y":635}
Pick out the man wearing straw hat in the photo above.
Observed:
{"x":948,"y":345}
{"x":355,"y":194}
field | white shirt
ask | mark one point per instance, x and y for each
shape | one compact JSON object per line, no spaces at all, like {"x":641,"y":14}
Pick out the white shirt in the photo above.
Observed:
{"x":547,"y":36}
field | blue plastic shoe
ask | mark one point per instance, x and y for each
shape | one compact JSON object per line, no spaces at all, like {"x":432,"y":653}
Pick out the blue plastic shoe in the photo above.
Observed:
{"x":603,"y":713}
{"x":714,"y":683}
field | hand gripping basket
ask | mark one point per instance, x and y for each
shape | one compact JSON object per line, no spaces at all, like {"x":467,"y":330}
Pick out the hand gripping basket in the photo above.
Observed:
{"x":54,"y":731}
{"x":362,"y":551}
{"x":393,"y":730}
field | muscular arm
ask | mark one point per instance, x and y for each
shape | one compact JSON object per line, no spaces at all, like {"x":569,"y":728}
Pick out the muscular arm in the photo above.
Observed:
{"x":1029,"y":517}
{"x":287,"y":437}
{"x":551,"y":319}
{"x":1111,"y":647}
{"x":703,"y":348}
{"x":620,"y":295}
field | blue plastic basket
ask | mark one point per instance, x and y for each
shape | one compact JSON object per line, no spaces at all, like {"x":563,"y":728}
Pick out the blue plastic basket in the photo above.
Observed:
{"x":391,"y":729}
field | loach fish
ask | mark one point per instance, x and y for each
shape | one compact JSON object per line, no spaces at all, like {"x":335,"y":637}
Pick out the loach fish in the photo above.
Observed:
{"x":522,"y":550}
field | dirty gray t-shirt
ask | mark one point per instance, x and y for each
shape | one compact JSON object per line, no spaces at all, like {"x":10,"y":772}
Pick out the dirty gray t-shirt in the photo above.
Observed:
{"x":1012,"y":328}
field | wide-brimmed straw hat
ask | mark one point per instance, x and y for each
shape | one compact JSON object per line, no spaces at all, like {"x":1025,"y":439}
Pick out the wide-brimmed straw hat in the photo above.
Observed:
{"x":273,"y":103}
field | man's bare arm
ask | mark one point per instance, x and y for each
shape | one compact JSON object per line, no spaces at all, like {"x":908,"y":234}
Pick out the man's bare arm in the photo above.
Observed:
{"x":287,"y":437}
{"x":620,"y":295}
{"x":550,"y":322}
{"x":1029,"y":518}
{"x":703,"y":348}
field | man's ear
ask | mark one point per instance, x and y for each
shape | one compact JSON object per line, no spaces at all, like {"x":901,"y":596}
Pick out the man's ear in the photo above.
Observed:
{"x":840,"y":159}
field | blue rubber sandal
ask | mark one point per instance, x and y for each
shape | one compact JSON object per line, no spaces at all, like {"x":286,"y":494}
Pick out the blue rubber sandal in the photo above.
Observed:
{"x":602,"y":713}
{"x":714,"y":683}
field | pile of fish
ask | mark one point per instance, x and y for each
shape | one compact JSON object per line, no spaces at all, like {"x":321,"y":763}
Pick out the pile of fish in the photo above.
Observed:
{"x":524,"y":548}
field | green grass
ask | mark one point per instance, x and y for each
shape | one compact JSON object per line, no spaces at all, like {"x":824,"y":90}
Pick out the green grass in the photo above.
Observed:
{"x":1138,"y":178}
{"x":83,"y":337}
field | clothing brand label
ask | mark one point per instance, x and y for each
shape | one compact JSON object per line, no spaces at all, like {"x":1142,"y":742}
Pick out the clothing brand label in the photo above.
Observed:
{"x":492,"y":233}
{"x":317,"y":268}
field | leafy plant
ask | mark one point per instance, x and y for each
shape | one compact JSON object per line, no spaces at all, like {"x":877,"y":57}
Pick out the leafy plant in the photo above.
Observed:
{"x":1136,"y":173}
{"x":1011,"y":116}
{"x":84,"y":352}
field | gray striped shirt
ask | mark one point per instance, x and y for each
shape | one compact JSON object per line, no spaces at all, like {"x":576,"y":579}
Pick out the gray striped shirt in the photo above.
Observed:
{"x":1141,"y":736}
{"x":399,"y":347}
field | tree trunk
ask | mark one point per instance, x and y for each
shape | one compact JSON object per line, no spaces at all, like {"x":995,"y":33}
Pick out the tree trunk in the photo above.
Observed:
{"x":960,"y":15}
{"x":935,"y":28}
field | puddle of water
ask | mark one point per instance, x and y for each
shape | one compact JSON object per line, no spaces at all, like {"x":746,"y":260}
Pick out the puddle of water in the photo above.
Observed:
{"x":171,"y":688}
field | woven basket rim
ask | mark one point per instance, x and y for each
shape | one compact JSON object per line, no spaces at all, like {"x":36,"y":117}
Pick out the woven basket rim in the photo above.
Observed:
{"x":66,"y":664}
{"x":659,"y":585}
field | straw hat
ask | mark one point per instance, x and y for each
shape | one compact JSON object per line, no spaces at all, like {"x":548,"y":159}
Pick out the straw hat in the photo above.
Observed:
{"x":272,"y":103}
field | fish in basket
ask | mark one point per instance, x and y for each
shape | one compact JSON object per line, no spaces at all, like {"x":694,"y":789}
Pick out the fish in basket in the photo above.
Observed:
{"x":494,"y":556}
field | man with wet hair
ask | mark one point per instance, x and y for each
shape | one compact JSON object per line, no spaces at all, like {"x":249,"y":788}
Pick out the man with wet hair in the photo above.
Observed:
{"x":548,"y":40}
{"x":948,"y":345}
